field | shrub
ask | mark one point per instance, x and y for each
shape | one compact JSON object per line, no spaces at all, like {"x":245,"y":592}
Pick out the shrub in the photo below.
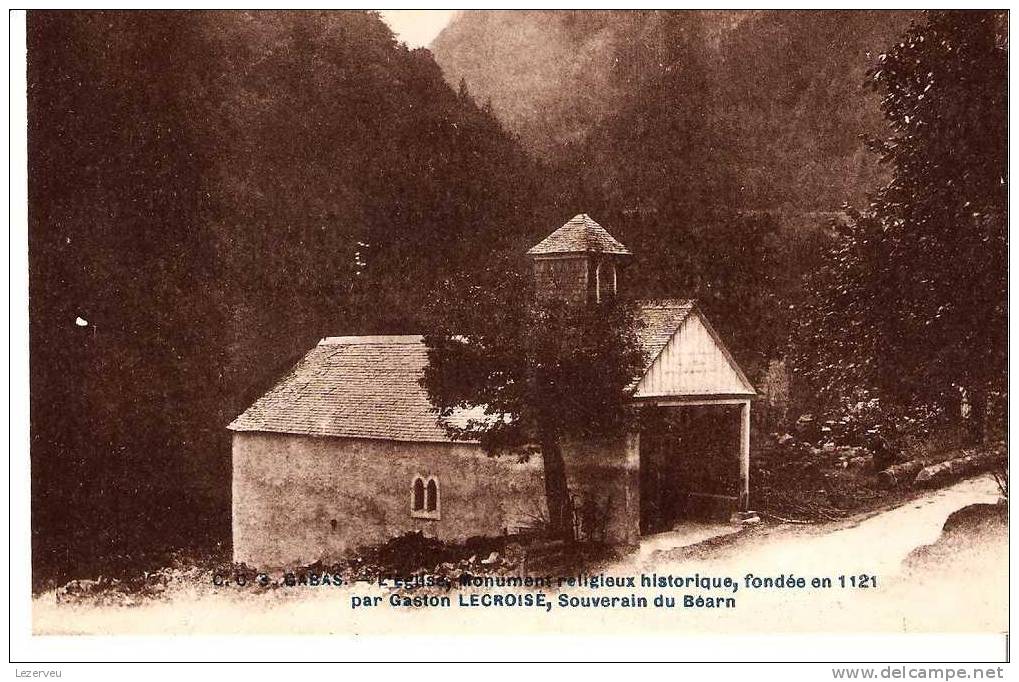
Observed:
{"x":865,"y":420}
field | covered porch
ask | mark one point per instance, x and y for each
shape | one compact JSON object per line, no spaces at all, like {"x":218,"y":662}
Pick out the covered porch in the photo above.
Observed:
{"x":689,"y":459}
{"x":694,"y":440}
{"x":694,"y":457}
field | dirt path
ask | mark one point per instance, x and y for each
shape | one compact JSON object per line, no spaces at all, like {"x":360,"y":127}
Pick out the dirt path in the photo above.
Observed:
{"x":971,"y":596}
{"x":875,"y":540}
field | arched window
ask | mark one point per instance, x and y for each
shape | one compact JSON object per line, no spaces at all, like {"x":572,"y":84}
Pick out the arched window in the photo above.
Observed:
{"x":418,"y":499}
{"x":432,"y":496}
{"x":424,"y":498}
{"x":606,"y":281}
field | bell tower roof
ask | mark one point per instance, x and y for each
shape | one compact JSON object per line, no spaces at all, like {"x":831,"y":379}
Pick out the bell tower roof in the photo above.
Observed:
{"x":580,"y":235}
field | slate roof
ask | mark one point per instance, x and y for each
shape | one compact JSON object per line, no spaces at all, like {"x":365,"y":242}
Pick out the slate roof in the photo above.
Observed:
{"x":660,"y":321}
{"x":354,"y":387}
{"x":581,"y":234}
{"x":367,"y":386}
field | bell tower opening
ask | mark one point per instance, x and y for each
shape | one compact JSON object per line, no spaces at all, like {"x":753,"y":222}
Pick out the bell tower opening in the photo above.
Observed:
{"x":606,"y":280}
{"x":578,"y":263}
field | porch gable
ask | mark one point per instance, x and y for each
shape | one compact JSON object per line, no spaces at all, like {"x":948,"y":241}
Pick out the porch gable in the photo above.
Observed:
{"x":694,"y":362}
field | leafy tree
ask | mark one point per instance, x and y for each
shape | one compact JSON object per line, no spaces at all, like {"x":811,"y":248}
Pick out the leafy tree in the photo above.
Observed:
{"x":912,"y":297}
{"x":835,"y":338}
{"x":944,"y":90}
{"x":542,"y":374}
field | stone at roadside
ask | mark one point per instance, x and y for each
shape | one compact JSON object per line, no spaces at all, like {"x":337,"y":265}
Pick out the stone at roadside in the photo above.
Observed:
{"x":747,"y":518}
{"x":899,"y":474}
{"x":939,"y":473}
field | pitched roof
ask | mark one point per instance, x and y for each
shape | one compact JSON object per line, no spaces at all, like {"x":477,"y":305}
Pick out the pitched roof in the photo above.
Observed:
{"x":660,"y":320}
{"x":580,"y":235}
{"x":354,"y":387}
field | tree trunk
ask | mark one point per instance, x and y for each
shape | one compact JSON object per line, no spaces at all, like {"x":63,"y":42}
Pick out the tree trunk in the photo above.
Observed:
{"x":977,"y":414}
{"x":556,"y":492}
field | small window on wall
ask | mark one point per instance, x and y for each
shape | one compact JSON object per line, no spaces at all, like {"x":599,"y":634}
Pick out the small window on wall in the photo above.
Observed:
{"x":424,"y":498}
{"x":419,"y":495}
{"x":432,"y":496}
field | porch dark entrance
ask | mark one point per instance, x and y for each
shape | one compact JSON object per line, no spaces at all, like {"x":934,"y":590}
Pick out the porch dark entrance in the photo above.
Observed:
{"x":692,"y":462}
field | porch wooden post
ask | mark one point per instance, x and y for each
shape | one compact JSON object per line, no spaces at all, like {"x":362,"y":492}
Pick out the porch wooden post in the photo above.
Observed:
{"x":744,"y":457}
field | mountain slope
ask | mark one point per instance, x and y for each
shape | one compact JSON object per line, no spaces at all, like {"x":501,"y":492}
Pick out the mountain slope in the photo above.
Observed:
{"x":780,"y":93}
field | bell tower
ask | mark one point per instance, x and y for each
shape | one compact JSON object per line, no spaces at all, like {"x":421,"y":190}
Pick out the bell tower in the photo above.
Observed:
{"x":579,"y":263}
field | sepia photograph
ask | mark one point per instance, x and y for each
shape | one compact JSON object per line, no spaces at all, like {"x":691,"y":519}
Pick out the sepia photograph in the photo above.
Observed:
{"x":509,"y":323}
